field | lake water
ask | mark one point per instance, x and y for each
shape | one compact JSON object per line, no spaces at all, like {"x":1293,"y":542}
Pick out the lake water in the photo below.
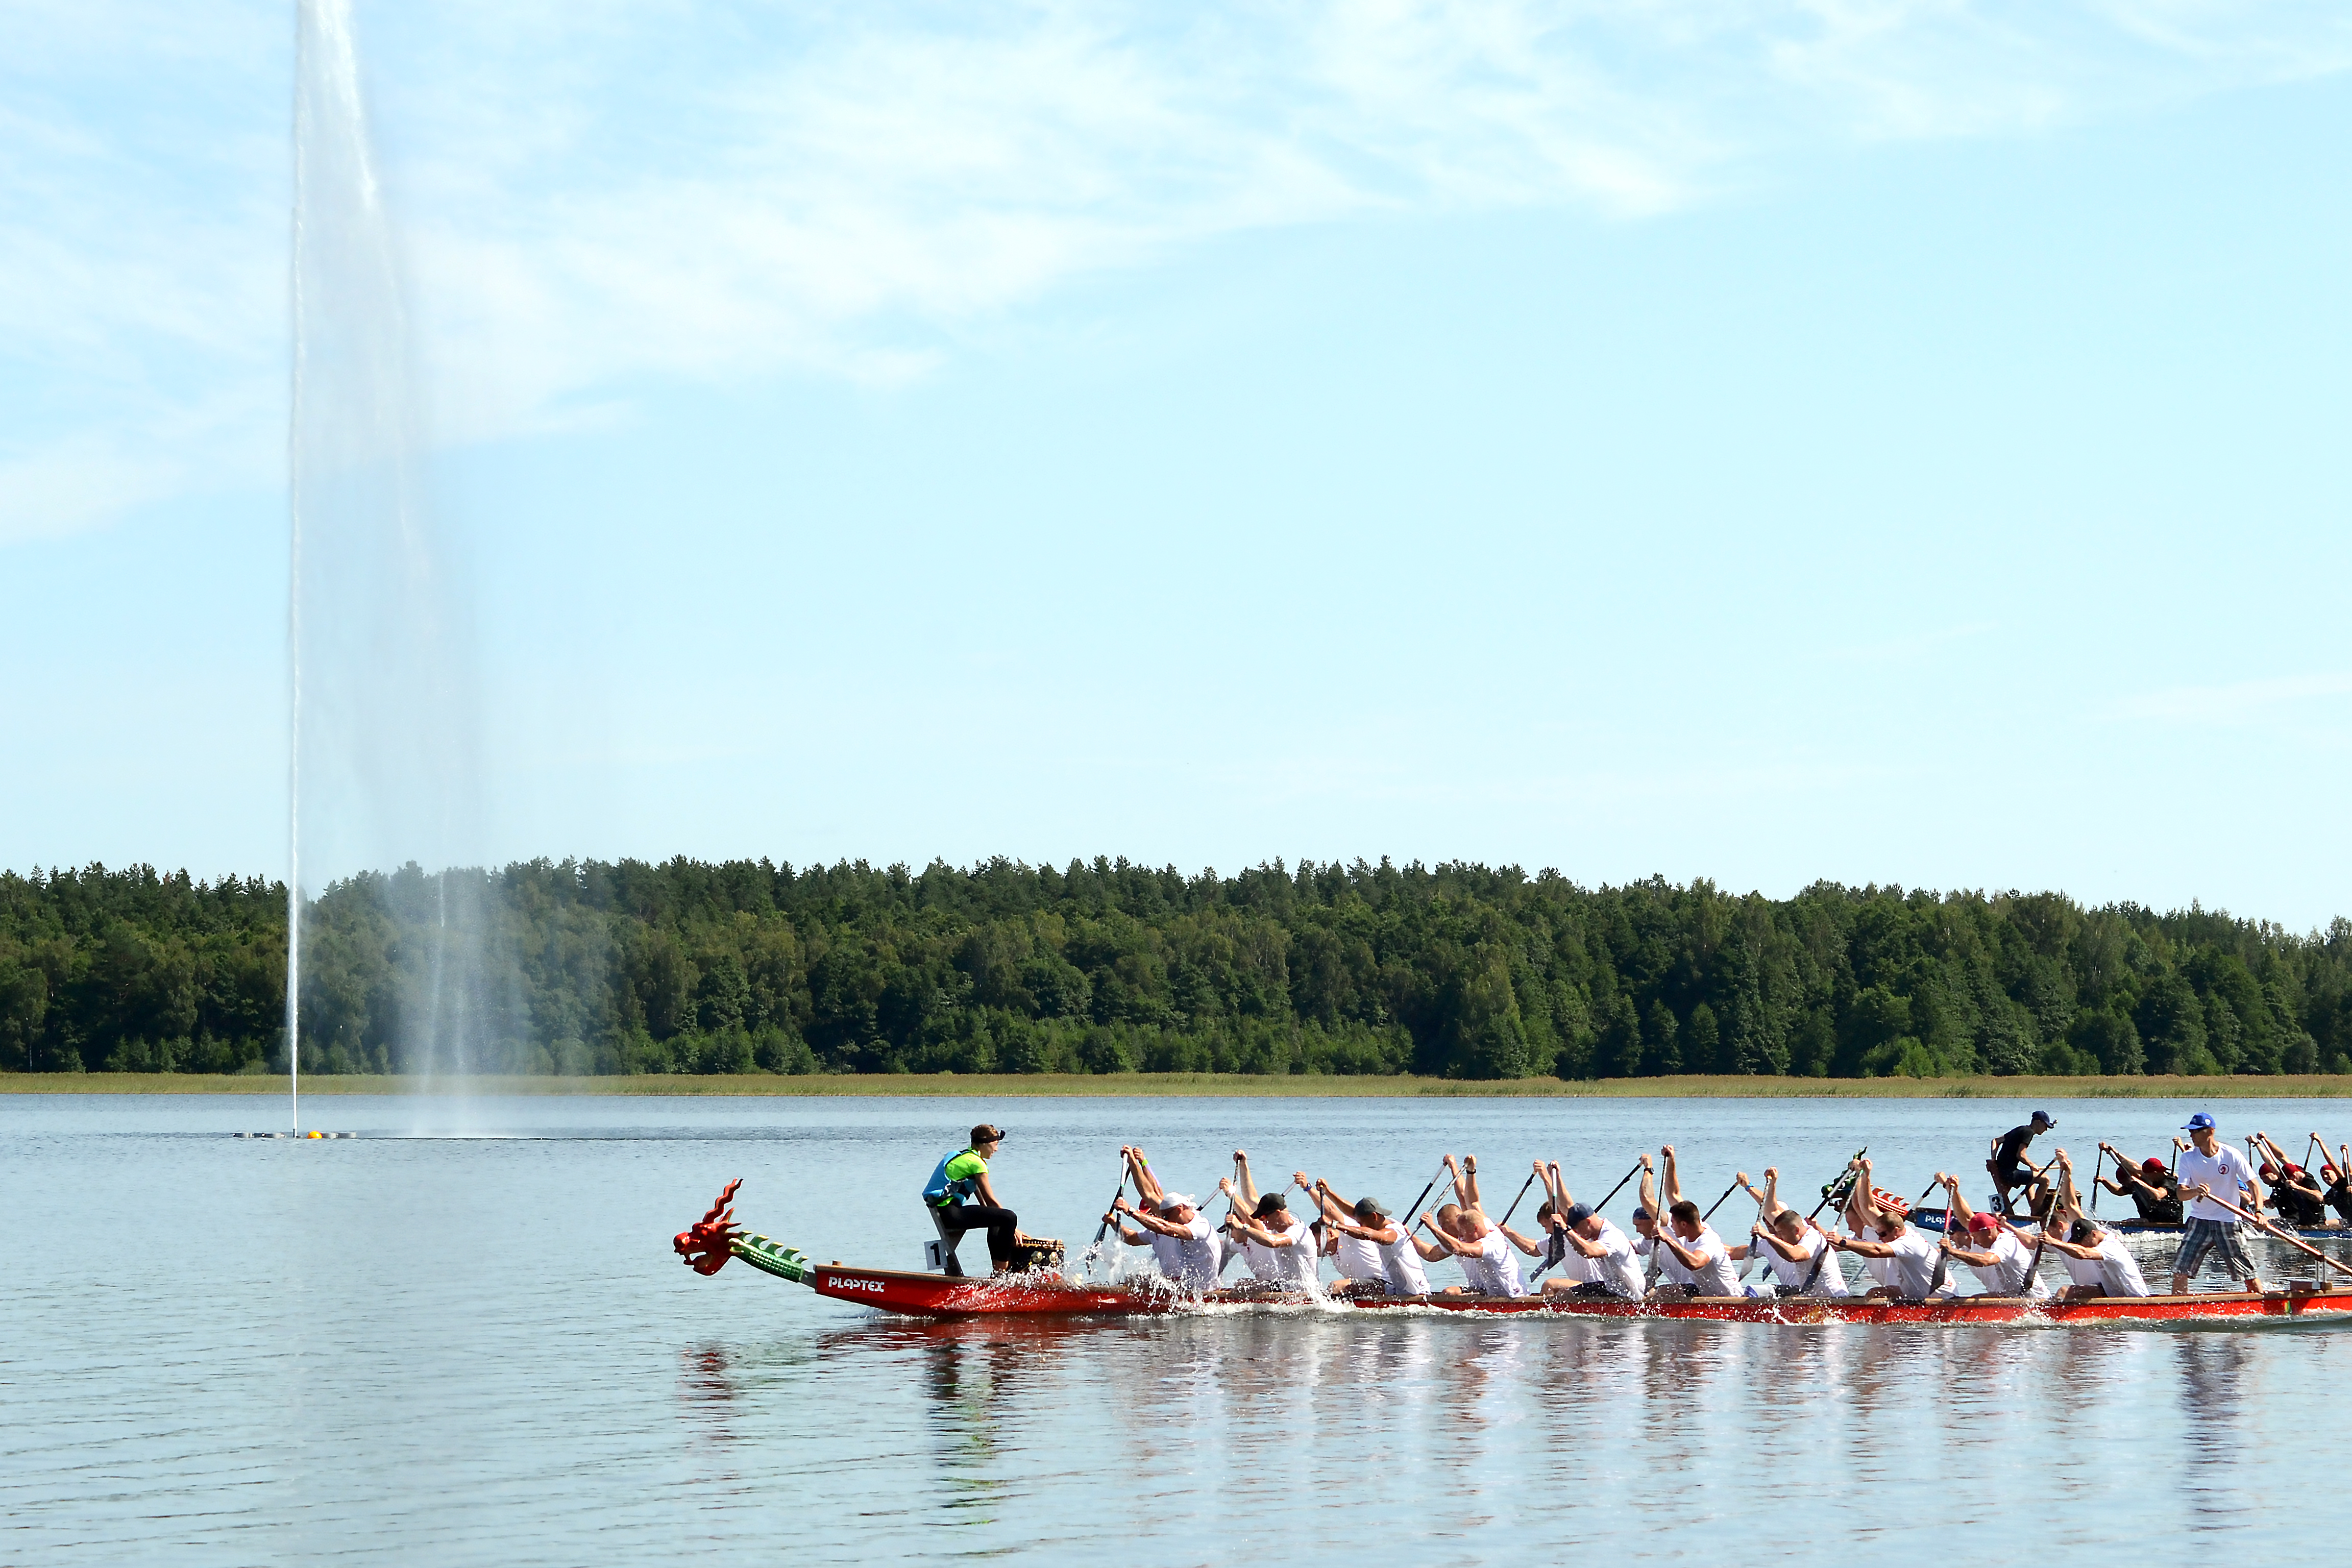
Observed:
{"x":480,"y":1348}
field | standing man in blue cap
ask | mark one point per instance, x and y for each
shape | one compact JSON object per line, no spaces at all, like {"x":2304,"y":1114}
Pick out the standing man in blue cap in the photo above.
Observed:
{"x":2211,"y":1168}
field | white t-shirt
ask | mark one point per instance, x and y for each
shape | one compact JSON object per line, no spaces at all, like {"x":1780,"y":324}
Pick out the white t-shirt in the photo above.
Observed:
{"x":1717,"y":1275}
{"x":1193,"y":1260}
{"x":2012,"y":1261}
{"x":1356,"y":1258}
{"x":2084,"y":1270}
{"x":2225,"y":1171}
{"x":1618,"y":1268}
{"x":1495,"y":1270}
{"x":1293,"y":1265}
{"x":2119,"y":1269}
{"x":1791,"y":1277}
{"x":1651,"y":1248}
{"x":1401,"y":1266}
{"x":1912,"y":1269}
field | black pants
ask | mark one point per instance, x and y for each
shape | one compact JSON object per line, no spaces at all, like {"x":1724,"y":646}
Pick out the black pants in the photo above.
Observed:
{"x":999,"y":1224}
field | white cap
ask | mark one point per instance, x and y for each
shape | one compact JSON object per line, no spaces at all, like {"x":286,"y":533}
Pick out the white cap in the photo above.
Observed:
{"x":1175,"y":1200}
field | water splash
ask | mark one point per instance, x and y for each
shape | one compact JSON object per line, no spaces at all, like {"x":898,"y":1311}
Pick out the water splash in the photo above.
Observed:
{"x":385,"y":753}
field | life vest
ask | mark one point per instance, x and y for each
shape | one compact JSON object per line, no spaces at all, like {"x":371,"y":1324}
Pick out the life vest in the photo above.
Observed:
{"x":955,"y":1180}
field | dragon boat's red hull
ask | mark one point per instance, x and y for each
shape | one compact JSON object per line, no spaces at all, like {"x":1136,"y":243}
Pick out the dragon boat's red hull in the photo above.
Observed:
{"x":937,"y":1296}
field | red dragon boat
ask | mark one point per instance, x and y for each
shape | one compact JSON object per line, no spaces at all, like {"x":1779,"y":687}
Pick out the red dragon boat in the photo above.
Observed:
{"x":708,"y":1246}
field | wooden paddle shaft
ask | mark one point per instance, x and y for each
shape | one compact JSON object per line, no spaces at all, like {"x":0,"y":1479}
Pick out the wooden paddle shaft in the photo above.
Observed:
{"x":2275,"y":1233}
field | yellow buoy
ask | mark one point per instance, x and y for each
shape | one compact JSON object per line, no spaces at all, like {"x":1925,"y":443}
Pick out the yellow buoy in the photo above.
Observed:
{"x":316,"y":1133}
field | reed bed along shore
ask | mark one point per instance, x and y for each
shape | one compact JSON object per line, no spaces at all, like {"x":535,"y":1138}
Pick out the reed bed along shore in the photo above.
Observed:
{"x":1009,"y":1085}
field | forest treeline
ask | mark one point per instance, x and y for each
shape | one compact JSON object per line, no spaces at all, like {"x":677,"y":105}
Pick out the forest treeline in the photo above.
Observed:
{"x":1454,"y":970}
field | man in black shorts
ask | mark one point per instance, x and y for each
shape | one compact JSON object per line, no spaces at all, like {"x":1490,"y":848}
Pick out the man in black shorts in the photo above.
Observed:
{"x":2009,"y":1171}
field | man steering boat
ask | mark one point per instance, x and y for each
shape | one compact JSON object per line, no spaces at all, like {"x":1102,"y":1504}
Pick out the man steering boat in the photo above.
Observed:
{"x":2010,"y":1171}
{"x":2211,"y":1169}
{"x":962,"y":1196}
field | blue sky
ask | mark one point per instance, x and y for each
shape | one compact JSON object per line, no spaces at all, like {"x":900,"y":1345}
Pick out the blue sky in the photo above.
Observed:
{"x":1896,"y":442}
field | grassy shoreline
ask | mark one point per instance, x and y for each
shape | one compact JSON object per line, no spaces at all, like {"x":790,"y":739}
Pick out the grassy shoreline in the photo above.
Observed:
{"x":1230,"y":1085}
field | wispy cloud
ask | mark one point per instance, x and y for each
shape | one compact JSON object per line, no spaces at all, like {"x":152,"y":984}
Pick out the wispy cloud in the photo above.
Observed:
{"x":598,"y":193}
{"x":2243,"y":701}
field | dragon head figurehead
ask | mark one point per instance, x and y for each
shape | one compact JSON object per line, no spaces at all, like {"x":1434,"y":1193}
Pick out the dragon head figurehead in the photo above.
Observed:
{"x":706,"y":1246}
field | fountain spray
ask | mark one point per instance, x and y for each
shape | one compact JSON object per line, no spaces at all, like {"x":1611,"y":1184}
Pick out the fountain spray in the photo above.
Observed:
{"x":384,"y":771}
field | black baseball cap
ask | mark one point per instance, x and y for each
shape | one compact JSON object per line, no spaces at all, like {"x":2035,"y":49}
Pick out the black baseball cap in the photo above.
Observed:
{"x":984,"y":1133}
{"x":1369,"y":1209}
{"x":1268,"y":1203}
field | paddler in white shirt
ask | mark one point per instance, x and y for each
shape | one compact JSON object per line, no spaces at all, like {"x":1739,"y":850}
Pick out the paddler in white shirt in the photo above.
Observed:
{"x":1687,"y":1244}
{"x":1600,"y":1260}
{"x":1803,"y":1262}
{"x":1364,"y":1227}
{"x":1694,"y":1259}
{"x":1907,"y":1265}
{"x":2209,"y":1169}
{"x":1477,"y":1243}
{"x":1647,"y":1208}
{"x":1276,"y":1243}
{"x":2097,"y":1260}
{"x":2002,"y":1259}
{"x":1181,"y":1236}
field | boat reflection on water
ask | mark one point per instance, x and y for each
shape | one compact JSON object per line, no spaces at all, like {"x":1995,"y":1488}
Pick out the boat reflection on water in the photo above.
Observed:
{"x":1281,"y":1428}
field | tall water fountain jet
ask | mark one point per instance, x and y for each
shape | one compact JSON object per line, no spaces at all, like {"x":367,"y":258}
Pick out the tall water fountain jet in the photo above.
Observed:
{"x":385,"y":756}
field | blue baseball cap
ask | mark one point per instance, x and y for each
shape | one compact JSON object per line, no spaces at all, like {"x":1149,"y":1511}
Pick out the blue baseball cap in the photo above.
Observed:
{"x":2200,"y":1122}
{"x":1577,"y":1214}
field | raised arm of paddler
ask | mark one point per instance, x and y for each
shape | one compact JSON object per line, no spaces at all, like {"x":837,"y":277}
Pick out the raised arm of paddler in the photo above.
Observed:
{"x":1957,"y":1211}
{"x":1138,"y":1171}
{"x":1248,"y":1186}
{"x":1646,"y":1194}
{"x":1465,"y":1181}
{"x":1861,"y":1203}
{"x":2070,"y":1201}
{"x":1547,"y":1170}
{"x":1744,"y":1251}
{"x":1674,"y":1188}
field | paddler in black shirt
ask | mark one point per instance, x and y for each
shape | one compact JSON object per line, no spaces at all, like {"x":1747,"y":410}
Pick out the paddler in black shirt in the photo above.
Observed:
{"x":2298,"y":1198}
{"x":2154,"y":1190}
{"x":2009,"y":1171}
{"x":2339,"y":1180}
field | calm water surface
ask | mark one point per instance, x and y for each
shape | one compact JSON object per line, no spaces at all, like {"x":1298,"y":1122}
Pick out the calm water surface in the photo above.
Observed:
{"x":478,"y":1349}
